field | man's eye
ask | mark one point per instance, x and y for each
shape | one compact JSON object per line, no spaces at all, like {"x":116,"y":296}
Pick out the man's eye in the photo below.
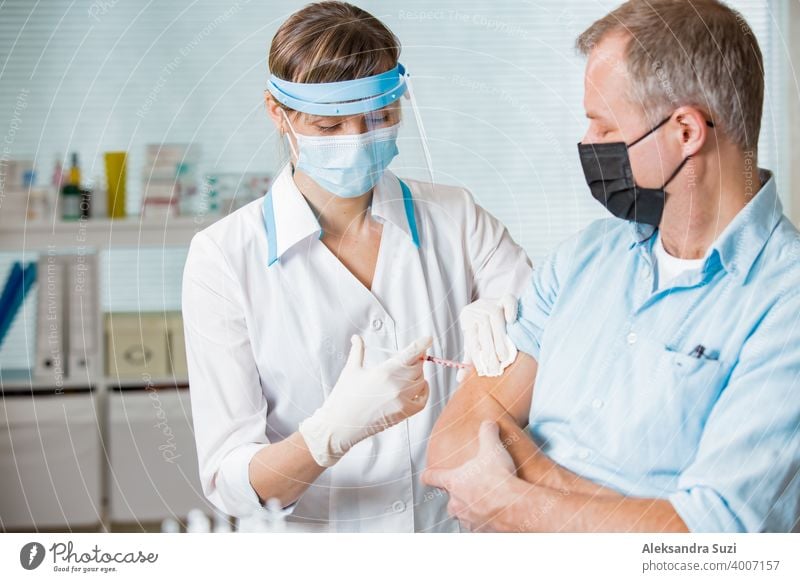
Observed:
{"x":325,"y":128}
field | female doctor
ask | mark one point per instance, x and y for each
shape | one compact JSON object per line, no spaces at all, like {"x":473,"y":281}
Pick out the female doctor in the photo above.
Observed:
{"x":308,"y":312}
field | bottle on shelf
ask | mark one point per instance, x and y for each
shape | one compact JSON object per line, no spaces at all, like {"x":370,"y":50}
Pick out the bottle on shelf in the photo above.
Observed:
{"x":71,"y":195}
{"x":57,"y":179}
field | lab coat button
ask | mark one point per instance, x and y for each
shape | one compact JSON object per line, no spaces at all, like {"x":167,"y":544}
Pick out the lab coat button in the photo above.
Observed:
{"x":377,"y":323}
{"x":632,"y":338}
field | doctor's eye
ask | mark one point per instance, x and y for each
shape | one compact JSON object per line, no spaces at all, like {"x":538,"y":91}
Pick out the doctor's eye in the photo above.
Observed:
{"x":380,"y":117}
{"x":328,"y":128}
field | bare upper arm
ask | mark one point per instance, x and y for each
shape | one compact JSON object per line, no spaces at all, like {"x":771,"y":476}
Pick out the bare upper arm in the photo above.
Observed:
{"x":513,"y":390}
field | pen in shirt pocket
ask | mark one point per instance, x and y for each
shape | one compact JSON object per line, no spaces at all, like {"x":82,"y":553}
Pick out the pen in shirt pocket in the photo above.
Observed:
{"x":700,"y":352}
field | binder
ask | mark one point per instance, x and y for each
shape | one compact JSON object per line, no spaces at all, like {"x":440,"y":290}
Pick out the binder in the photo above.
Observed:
{"x":83,"y":346}
{"x":10,"y":288}
{"x":50,"y":362}
{"x":18,"y":284}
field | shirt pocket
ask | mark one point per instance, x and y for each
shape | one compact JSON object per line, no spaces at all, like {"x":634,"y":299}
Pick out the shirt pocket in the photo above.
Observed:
{"x":672,"y":394}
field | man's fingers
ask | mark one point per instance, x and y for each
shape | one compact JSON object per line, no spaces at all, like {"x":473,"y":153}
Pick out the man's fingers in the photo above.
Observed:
{"x":454,"y":507}
{"x":438,"y":477}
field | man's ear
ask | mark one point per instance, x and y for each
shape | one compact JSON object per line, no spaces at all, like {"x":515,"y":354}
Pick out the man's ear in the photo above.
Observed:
{"x":692,"y":129}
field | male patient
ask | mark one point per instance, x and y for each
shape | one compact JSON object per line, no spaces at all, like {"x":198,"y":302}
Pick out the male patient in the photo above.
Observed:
{"x":659,"y":366}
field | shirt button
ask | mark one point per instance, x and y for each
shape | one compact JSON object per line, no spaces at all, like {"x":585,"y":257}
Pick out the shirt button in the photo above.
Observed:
{"x":583,"y":454}
{"x":632,"y":338}
{"x":398,"y":506}
{"x":377,"y":323}
{"x":597,"y":403}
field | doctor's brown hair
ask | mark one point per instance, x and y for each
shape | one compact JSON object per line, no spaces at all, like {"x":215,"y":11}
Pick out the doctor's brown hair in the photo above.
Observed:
{"x":332,"y":41}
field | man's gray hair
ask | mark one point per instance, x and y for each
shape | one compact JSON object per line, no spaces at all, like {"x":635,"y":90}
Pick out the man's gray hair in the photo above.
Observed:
{"x":699,"y":53}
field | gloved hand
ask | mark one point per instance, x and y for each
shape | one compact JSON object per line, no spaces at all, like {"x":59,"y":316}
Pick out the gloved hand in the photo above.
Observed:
{"x":365,"y":401}
{"x":486,"y":343}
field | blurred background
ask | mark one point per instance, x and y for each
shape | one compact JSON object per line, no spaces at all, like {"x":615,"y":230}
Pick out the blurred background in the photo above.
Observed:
{"x":129,"y":126}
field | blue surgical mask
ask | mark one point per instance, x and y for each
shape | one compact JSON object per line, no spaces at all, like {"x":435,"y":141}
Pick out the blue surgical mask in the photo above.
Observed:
{"x":346,"y":165}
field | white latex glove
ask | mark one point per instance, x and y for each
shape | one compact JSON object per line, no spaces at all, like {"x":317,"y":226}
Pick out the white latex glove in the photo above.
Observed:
{"x":486,"y":343}
{"x":366,"y":401}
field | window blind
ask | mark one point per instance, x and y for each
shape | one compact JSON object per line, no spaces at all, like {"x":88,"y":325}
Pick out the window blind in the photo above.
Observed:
{"x":498,"y":83}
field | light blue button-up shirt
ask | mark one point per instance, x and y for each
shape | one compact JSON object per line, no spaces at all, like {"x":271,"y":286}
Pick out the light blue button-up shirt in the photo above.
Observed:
{"x":622,"y":397}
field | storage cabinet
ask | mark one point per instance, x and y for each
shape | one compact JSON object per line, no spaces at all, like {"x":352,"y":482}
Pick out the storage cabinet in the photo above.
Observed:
{"x":153,"y":460}
{"x":50,"y":460}
{"x":90,"y":453}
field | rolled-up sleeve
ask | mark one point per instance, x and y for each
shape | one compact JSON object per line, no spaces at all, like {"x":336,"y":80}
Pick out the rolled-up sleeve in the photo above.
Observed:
{"x":534,"y":308}
{"x":745,"y":476}
{"x":229,"y":409}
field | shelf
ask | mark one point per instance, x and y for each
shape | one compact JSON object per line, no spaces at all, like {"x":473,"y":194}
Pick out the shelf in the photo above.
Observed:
{"x":15,"y":380}
{"x":102,"y":233}
{"x":168,"y":381}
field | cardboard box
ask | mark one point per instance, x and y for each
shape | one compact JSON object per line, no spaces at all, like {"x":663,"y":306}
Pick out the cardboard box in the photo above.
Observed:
{"x":136,"y":344}
{"x":177,"y":345}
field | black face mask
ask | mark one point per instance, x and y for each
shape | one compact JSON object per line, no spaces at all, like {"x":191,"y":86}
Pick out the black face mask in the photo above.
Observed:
{"x":609,"y":175}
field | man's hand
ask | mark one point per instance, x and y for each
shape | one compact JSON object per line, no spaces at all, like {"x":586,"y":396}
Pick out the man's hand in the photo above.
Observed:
{"x":479,"y":489}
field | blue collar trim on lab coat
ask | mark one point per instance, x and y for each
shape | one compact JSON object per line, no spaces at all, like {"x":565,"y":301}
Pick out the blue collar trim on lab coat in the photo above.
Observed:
{"x":408,"y":203}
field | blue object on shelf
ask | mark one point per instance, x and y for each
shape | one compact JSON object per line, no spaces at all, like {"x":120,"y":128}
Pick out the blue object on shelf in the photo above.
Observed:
{"x":19,"y":282}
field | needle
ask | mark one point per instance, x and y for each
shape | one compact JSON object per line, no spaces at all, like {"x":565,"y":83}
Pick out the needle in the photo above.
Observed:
{"x":426,"y":357}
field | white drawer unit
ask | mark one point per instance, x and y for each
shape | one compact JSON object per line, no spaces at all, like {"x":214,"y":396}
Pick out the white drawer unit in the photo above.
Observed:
{"x":50,"y":460}
{"x":153,"y":472}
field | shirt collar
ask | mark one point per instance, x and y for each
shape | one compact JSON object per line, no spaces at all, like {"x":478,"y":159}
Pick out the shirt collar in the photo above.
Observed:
{"x":289,"y":219}
{"x":742,"y":240}
{"x":292,"y":219}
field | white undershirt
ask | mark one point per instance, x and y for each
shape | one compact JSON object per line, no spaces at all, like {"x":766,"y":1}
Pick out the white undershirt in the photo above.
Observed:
{"x":669,"y":267}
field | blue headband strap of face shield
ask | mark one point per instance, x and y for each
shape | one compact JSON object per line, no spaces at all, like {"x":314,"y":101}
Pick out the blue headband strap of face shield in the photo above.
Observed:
{"x":341,"y":97}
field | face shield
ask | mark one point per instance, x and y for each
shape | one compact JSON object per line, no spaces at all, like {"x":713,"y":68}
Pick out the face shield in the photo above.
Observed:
{"x":345,"y":135}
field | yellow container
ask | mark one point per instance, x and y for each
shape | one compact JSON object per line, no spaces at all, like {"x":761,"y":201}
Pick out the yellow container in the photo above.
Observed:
{"x":115,"y":183}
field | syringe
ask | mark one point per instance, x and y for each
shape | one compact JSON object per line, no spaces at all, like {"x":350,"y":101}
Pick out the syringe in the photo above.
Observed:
{"x":426,"y":357}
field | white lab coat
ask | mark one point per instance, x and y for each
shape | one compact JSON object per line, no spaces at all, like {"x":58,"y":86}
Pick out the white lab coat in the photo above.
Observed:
{"x":265,"y":344}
